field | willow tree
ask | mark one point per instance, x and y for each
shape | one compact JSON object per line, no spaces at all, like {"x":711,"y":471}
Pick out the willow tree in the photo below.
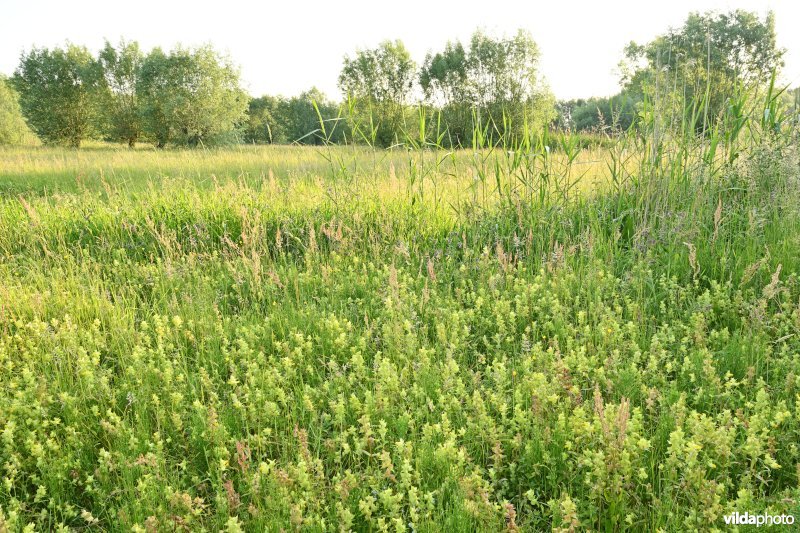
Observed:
{"x":495,"y":80}
{"x":120,"y":66}
{"x":190,"y":96}
{"x":59,"y":93}
{"x":379,"y":83}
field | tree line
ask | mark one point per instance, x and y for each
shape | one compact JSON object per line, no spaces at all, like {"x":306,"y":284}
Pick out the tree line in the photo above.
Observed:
{"x":181,"y":97}
{"x":710,"y":59}
{"x":490,"y":86}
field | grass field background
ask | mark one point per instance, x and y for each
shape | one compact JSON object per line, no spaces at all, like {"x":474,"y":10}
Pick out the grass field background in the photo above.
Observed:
{"x":297,"y":338}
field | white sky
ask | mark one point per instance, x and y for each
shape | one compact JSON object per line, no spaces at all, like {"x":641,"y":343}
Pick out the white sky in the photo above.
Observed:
{"x":286,"y":47}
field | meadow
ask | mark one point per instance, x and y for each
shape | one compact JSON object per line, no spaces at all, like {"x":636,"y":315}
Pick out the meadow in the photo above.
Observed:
{"x":528,"y":337}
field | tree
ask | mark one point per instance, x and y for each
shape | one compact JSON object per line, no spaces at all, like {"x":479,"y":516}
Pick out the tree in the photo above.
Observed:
{"x":300,"y":118}
{"x":13,"y":129}
{"x":382,"y":74}
{"x":443,"y":76}
{"x":121,"y":67}
{"x":261,"y":125}
{"x":380,"y":82}
{"x":713,"y":54}
{"x":190,"y":97}
{"x":274,"y":119}
{"x":597,"y":114}
{"x":58,"y":93}
{"x":498,"y":78}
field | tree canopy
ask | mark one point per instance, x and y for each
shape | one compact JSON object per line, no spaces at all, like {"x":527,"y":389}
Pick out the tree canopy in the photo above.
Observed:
{"x":382,"y":74}
{"x":193,"y":96}
{"x":189,"y":96}
{"x":58,"y":93}
{"x":711,"y":56}
{"x":497,"y":77}
{"x":121,"y":66}
{"x":379,"y":83}
{"x":275,"y":119}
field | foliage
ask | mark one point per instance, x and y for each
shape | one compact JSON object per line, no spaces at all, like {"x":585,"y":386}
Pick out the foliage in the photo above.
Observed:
{"x":300,"y":118}
{"x":709,"y":58}
{"x":497,"y":78}
{"x":189,"y":97}
{"x":597,"y":114}
{"x":382,"y":74}
{"x":433,"y":340}
{"x":526,"y":335}
{"x":294,"y":120}
{"x":121,"y":67}
{"x":378,"y":83}
{"x":13,"y":128}
{"x":261,"y":126}
{"x":58,"y":93}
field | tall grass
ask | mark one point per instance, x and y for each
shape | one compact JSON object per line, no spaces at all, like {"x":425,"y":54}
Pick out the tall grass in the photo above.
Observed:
{"x":521,"y":335}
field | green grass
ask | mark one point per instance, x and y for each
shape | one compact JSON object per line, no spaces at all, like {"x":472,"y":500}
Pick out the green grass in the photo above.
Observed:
{"x":273,"y":338}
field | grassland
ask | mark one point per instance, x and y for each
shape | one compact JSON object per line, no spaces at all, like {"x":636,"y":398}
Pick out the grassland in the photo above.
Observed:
{"x":268,"y":338}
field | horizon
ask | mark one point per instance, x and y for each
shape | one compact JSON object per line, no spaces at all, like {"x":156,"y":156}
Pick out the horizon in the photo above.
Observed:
{"x":573,"y":67}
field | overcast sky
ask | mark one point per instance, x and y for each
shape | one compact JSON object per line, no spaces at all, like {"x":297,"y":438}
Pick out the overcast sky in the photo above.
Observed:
{"x":286,"y":47}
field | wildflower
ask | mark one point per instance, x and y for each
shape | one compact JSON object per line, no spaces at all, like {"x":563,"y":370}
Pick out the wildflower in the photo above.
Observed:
{"x":87,"y":516}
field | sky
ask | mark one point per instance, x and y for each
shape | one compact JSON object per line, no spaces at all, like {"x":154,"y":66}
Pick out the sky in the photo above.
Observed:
{"x":287,"y":47}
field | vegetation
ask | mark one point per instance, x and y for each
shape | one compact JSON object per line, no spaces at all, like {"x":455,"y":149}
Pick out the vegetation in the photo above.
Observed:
{"x":128,"y":96}
{"x":495,"y":79}
{"x":711,"y":57}
{"x":186,"y":97}
{"x":189,"y":97}
{"x":599,"y":115}
{"x":121,"y":67}
{"x":281,"y":120}
{"x":58,"y":90}
{"x":379,"y":83}
{"x":421,"y":339}
{"x":13,"y":128}
{"x":545,"y":331}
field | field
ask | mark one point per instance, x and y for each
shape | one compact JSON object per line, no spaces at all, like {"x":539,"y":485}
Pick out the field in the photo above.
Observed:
{"x":298,"y":338}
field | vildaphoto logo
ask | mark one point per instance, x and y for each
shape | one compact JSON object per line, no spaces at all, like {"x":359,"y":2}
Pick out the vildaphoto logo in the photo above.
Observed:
{"x":758,"y":520}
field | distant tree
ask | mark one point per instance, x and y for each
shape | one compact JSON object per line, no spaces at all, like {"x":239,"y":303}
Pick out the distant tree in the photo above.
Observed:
{"x":189,"y":97}
{"x":59,"y":93}
{"x":261,"y":126}
{"x":274,"y":119}
{"x":496,"y":77}
{"x":380,"y":82}
{"x":300,"y":117}
{"x":153,"y":86}
{"x":382,"y":74}
{"x":564,"y":113}
{"x":597,"y":114}
{"x":13,"y":128}
{"x":444,"y":77}
{"x":714,"y":53}
{"x":121,"y":66}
